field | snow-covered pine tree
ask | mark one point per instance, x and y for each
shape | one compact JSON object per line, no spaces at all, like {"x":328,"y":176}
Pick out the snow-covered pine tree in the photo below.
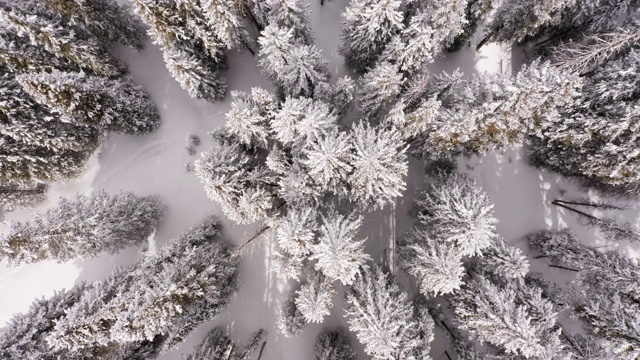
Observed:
{"x":115,"y":105}
{"x":14,"y":197}
{"x":328,"y":160}
{"x":504,"y":260}
{"x":234,"y":176}
{"x":597,"y":138}
{"x":58,"y":36}
{"x":459,"y":213}
{"x":488,"y":111}
{"x":339,"y":254}
{"x":110,"y":22}
{"x":607,"y":270}
{"x":431,"y":29}
{"x":164,"y":296}
{"x":290,"y":319}
{"x":314,"y":299}
{"x":378,"y":89}
{"x":476,"y":10}
{"x":218,"y":346}
{"x":36,"y":146}
{"x":19,"y":55}
{"x":23,"y":337}
{"x":367,"y":27}
{"x":436,"y":265}
{"x":296,"y":230}
{"x":384,"y":320}
{"x":514,"y":317}
{"x":83,"y":227}
{"x":293,"y":67}
{"x":379,"y":166}
{"x":251,"y":115}
{"x":515,"y":21}
{"x":194,"y":37}
{"x":302,"y":120}
{"x":290,"y":14}
{"x":333,"y":345}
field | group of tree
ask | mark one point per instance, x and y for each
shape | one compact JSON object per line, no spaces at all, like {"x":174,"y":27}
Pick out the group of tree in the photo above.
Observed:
{"x":217,"y":345}
{"x":137,"y":312}
{"x":60,"y":89}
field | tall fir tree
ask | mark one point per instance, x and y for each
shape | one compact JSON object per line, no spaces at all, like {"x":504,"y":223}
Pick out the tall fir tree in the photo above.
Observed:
{"x":83,"y":227}
{"x":218,"y":346}
{"x":333,"y":345}
{"x":194,"y":36}
{"x":115,"y":105}
{"x":384,"y":320}
{"x":160,"y":299}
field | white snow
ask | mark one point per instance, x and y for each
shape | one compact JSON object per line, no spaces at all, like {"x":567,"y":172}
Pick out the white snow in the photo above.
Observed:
{"x":155,"y":164}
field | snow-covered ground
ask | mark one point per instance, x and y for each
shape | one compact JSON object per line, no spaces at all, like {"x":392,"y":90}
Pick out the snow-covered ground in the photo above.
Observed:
{"x":155,"y":164}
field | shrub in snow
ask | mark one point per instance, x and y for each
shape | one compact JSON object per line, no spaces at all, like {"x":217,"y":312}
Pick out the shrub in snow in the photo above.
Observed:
{"x":333,"y":345}
{"x":384,"y":320}
{"x":83,"y":227}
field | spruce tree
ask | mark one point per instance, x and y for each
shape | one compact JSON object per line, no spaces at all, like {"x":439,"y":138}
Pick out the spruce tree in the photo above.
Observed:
{"x":384,"y":320}
{"x":193,"y":40}
{"x":315,"y":298}
{"x":338,"y":252}
{"x":333,"y":345}
{"x":218,"y":346}
{"x":291,"y":321}
{"x":115,"y":105}
{"x":83,"y":227}
{"x":160,"y":299}
{"x":367,"y":27}
{"x":294,"y":68}
{"x":290,"y":14}
{"x":514,"y":317}
{"x":14,"y":197}
{"x":59,"y":36}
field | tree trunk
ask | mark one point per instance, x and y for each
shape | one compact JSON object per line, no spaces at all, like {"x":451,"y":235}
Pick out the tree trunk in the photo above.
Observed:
{"x":595,"y":205}
{"x":261,"y":350}
{"x":485,"y":40}
{"x":321,"y":2}
{"x":253,"y":18}
{"x":249,"y":48}
{"x":563,"y":268}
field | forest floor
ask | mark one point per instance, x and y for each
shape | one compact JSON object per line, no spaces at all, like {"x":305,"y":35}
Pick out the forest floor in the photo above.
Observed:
{"x":156,"y":164}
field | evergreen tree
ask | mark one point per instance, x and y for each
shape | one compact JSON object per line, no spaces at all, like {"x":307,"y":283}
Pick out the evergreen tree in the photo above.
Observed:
{"x":436,"y":266}
{"x":58,"y":35}
{"x":159,"y":300}
{"x":379,"y":165}
{"x":250,"y":116}
{"x":459,"y":213}
{"x":83,"y":227}
{"x":36,"y":147}
{"x":109,"y":22}
{"x":14,"y":197}
{"x":328,"y":159}
{"x":301,"y":119}
{"x":598,"y":136}
{"x":489,"y":112}
{"x":514,"y":317}
{"x":296,"y":230}
{"x":291,"y":320}
{"x":315,"y":298}
{"x":338,"y":252}
{"x":217,"y":346}
{"x":384,"y":320}
{"x":367,"y":27}
{"x":333,"y":345}
{"x":294,"y":68}
{"x":115,"y":105}
{"x":379,"y":88}
{"x":475,"y":10}
{"x":515,"y":20}
{"x":234,"y":176}
{"x":504,"y":260}
{"x":24,"y":335}
{"x":290,"y":14}
{"x":194,"y":36}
